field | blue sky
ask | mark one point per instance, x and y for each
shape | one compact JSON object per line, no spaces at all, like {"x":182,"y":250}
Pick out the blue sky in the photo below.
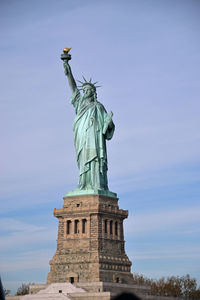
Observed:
{"x":146,"y":56}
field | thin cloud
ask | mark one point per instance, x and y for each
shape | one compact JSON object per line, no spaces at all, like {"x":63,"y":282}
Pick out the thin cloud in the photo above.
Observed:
{"x":27,"y":260}
{"x":162,"y":220}
{"x":167,"y":253}
{"x":24,"y":235}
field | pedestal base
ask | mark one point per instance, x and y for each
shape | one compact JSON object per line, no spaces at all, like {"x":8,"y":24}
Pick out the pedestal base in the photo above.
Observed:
{"x":90,"y":244}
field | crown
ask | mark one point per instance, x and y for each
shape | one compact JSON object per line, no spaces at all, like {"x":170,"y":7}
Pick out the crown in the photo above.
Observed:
{"x":85,"y":82}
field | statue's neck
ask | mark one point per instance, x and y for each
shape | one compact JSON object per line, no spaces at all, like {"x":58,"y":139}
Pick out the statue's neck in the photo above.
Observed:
{"x":89,"y":99}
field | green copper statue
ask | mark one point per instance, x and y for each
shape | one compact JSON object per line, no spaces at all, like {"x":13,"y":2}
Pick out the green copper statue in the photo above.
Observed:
{"x":92,"y":127}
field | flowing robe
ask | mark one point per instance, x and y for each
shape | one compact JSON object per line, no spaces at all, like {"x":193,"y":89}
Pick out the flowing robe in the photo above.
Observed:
{"x":92,"y":126}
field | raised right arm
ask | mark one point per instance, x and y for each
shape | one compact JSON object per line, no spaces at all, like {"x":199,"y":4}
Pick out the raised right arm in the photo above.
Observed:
{"x":68,"y":73}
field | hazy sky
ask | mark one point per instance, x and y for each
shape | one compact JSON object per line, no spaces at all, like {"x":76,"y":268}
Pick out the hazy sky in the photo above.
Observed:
{"x":146,"y":56}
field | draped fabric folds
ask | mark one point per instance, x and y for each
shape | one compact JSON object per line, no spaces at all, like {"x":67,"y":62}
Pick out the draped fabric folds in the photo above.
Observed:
{"x":92,"y":126}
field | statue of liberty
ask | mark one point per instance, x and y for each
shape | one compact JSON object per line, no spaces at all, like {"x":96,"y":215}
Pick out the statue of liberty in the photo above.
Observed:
{"x":92,"y":127}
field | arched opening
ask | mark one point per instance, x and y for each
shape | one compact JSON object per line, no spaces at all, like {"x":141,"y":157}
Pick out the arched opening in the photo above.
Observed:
{"x":84,"y":222}
{"x":116,"y":228}
{"x":76,"y":226}
{"x":105,"y":226}
{"x":69,"y":223}
{"x":111,"y":227}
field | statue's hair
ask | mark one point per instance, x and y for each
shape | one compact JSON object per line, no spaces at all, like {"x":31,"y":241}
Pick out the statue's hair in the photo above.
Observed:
{"x":85,"y":82}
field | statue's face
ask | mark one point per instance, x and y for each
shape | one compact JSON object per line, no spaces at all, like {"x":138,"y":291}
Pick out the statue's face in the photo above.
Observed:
{"x":88,"y":91}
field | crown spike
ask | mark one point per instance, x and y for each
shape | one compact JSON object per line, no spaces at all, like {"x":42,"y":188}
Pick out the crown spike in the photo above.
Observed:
{"x":88,"y":83}
{"x":84,"y":78}
{"x":80,"y":81}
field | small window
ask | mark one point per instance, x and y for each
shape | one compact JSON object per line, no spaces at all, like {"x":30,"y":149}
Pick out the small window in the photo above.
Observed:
{"x":117,"y":280}
{"x":71,"y":280}
{"x":116,"y":228}
{"x":105,"y":226}
{"x":111,"y":225}
{"x":69,"y":226}
{"x":84,"y":221}
{"x":76,"y":225}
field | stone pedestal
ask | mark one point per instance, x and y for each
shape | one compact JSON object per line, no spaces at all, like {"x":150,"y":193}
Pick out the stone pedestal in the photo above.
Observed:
{"x":90,"y":244}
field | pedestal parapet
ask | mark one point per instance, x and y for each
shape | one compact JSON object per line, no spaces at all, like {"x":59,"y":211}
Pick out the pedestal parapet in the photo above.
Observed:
{"x":90,"y":243}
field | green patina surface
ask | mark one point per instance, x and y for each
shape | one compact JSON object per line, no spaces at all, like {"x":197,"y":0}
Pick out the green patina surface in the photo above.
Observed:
{"x":92,"y":127}
{"x":78,"y":192}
